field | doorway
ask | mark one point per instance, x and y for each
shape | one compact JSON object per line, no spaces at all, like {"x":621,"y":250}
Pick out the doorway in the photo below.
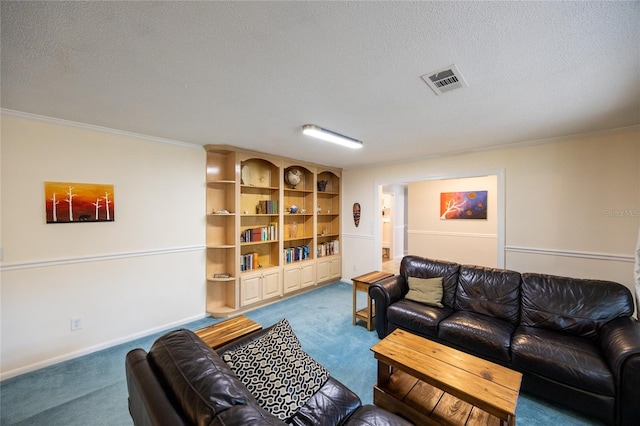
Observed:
{"x":402,"y":231}
{"x":387,"y":226}
{"x":392,"y":225}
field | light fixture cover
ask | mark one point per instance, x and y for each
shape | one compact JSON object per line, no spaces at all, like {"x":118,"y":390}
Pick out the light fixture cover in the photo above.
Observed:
{"x":331,"y":136}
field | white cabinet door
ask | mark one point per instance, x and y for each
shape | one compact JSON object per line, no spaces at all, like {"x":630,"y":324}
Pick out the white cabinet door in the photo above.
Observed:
{"x":307,"y":275}
{"x":291,"y":278}
{"x":335,"y":268}
{"x":299,"y":276}
{"x":323,"y":270}
{"x":250,"y":289}
{"x":329,"y":268}
{"x":271,"y":284}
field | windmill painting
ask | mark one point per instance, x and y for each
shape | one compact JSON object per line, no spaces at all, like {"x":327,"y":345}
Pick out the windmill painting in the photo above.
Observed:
{"x":463,"y":205}
{"x":68,"y":202}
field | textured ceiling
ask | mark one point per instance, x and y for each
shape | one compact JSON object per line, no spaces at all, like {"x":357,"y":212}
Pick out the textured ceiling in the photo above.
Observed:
{"x":251,"y":74}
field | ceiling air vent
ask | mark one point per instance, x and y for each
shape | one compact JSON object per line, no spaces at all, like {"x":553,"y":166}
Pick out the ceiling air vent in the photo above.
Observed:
{"x":445,"y":80}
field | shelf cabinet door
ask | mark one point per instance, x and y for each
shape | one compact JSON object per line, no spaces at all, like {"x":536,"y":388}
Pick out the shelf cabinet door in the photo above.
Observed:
{"x":258,"y":286}
{"x":329,"y":268}
{"x":291,"y":278}
{"x":271,"y":284}
{"x":250,"y":289}
{"x":335,"y":268}
{"x":299,"y":276}
{"x":307,"y":275}
{"x":323,"y":270}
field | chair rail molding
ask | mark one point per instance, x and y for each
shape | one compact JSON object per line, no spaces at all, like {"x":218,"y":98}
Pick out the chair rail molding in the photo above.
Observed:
{"x":571,"y":253}
{"x":12,"y":266}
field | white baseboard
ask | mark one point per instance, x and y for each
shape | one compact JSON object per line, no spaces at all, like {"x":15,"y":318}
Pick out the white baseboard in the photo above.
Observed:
{"x":86,"y":351}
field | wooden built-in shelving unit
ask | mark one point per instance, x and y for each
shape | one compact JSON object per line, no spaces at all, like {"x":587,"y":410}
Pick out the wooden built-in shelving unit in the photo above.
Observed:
{"x":260,"y":247}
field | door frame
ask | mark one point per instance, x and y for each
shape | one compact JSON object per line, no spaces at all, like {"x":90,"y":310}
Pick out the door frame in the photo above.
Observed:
{"x":500,"y":178}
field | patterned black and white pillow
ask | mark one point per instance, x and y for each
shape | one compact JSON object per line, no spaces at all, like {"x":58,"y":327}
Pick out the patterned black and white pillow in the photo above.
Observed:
{"x":275,"y":369}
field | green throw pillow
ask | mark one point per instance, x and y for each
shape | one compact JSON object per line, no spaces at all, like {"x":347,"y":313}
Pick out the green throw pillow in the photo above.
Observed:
{"x":426,"y":290}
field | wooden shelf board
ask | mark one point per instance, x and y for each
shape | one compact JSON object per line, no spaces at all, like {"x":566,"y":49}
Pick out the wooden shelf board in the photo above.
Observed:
{"x":221,"y":311}
{"x":253,"y":243}
{"x":428,"y":404}
{"x":364,"y":315}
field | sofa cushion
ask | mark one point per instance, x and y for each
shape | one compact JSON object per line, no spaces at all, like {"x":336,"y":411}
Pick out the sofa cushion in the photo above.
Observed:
{"x":420,"y":267}
{"x":196,"y":377}
{"x":571,"y":305}
{"x":243,"y":415}
{"x":487,"y":291}
{"x":331,"y":405}
{"x":480,"y":334}
{"x":573,"y":360}
{"x":416,"y":317}
{"x":275,"y":369}
{"x":425,"y":290}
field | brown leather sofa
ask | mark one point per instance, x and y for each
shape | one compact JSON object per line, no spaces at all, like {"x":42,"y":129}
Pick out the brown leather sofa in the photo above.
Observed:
{"x":574,"y":340}
{"x":182,"y":381}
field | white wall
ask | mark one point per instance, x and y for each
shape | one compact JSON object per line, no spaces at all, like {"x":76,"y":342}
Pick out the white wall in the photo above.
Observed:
{"x":463,"y":241}
{"x":136,"y":275}
{"x":571,"y":205}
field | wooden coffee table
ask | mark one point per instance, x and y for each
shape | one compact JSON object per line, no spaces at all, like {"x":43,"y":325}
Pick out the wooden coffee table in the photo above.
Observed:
{"x":362,"y":283}
{"x":226,"y":331}
{"x":432,"y":384}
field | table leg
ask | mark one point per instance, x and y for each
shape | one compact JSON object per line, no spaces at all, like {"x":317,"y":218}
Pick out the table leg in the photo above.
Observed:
{"x":370,"y":313}
{"x":510,"y":422}
{"x":384,"y":373}
{"x":354,"y":302}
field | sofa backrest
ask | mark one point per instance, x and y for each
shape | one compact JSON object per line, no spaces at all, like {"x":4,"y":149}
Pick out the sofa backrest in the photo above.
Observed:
{"x":488,"y":291}
{"x":420,"y":267}
{"x":572,"y":305}
{"x":195,"y":377}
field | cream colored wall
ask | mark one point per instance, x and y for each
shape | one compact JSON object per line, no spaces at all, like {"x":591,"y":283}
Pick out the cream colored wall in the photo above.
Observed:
{"x":462,"y":241}
{"x":571,"y":205}
{"x":139,"y":274}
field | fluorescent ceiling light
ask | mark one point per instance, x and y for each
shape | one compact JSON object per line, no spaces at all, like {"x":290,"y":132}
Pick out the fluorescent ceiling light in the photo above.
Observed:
{"x":329,"y":136}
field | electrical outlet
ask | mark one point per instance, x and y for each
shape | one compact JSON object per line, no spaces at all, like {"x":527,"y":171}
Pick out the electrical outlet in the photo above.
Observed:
{"x":76,"y":324}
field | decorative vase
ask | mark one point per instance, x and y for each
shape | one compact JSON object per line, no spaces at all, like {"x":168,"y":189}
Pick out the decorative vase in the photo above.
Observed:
{"x":293,"y":230}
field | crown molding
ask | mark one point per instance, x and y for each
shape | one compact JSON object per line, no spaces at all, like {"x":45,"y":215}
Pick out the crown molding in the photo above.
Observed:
{"x":91,"y":127}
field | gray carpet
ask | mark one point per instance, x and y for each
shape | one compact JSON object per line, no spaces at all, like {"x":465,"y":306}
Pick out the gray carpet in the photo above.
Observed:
{"x":91,"y":390}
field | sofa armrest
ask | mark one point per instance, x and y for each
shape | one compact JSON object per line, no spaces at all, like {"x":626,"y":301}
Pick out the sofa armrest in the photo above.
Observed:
{"x":384,"y":293}
{"x":620,"y":343}
{"x":148,"y":403}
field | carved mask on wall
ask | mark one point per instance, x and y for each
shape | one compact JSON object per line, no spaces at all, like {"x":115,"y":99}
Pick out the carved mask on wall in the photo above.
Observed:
{"x":356,"y":214}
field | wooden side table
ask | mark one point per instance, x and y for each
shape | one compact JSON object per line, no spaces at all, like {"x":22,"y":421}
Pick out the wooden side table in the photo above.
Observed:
{"x":225,"y":331}
{"x":362,"y":283}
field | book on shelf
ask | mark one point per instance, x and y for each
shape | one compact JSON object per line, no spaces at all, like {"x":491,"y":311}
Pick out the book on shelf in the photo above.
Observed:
{"x":249,"y":261}
{"x":267,"y":207}
{"x":261,"y":233}
{"x":328,"y":248}
{"x":296,"y":254}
